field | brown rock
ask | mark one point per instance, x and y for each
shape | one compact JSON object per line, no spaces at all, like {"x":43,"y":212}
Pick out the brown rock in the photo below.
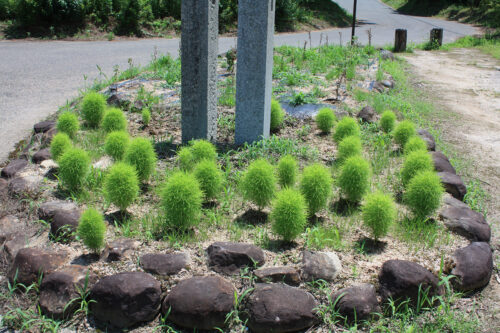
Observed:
{"x":358,"y":302}
{"x":3,"y":186}
{"x":64,"y":223}
{"x":473,"y":266}
{"x":29,"y":263}
{"x":453,"y":184}
{"x":41,"y":156}
{"x":120,"y":249}
{"x":47,"y":210}
{"x":47,"y":136}
{"x":320,"y":265}
{"x":165,"y":264}
{"x":441,"y":163}
{"x":285,"y":274}
{"x":428,"y":138}
{"x":26,"y":186}
{"x":229,"y":257}
{"x":44,"y":126}
{"x":367,"y":114}
{"x":13,"y":168}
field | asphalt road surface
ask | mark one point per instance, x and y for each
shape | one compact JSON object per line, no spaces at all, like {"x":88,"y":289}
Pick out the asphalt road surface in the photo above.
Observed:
{"x":37,"y":77}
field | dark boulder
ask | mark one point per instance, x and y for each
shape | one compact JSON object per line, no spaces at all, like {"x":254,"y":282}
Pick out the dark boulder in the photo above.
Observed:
{"x":473,"y":266}
{"x":442,"y":163}
{"x":41,"y":156}
{"x":428,"y":138}
{"x":26,"y":186}
{"x":44,"y":126}
{"x":13,"y":168}
{"x":229,"y":258}
{"x":29,"y":263}
{"x":367,"y":114}
{"x":48,"y":210}
{"x":164,"y":264}
{"x":453,"y":184}
{"x":64,"y":223}
{"x":357,"y":302}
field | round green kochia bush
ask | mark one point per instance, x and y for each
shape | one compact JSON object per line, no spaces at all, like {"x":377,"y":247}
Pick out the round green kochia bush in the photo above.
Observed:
{"x":379,"y":212}
{"x":387,"y":121}
{"x":289,"y":214}
{"x":141,"y":154}
{"x":202,"y":149}
{"x":403,"y":132}
{"x":74,"y":166}
{"x":59,"y":144}
{"x":277,"y":115}
{"x":92,"y":229}
{"x":347,"y":126}
{"x":316,"y":186}
{"x":349,"y":146}
{"x":93,"y":108}
{"x":181,"y":199}
{"x":287,"y":171}
{"x":415,"y":162}
{"x":114,"y":120}
{"x":121,"y":186}
{"x":185,"y":159}
{"x":259,"y":183}
{"x":116,"y":144}
{"x":68,"y":123}
{"x":325,"y":119}
{"x":415,"y":143}
{"x":209,"y":177}
{"x":146,"y":116}
{"x":424,"y":193}
{"x":354,"y":178}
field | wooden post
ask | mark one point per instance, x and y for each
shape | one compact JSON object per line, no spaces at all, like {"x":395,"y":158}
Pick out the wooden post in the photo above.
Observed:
{"x":437,"y":37}
{"x":400,"y":40}
{"x":353,"y":34}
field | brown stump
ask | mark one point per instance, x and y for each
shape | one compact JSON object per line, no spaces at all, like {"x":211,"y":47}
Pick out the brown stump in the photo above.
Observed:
{"x":437,"y":37}
{"x":400,"y":40}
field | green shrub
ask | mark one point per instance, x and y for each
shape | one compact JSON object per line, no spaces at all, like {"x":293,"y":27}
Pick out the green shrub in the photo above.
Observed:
{"x":129,"y":18}
{"x":277,"y":115}
{"x":415,"y":162}
{"x":347,"y":126}
{"x":45,"y":13}
{"x":354,"y":178}
{"x":348,"y":147}
{"x":316,"y":186}
{"x":379,"y":212}
{"x":116,"y":144}
{"x":141,"y":154}
{"x":289,"y":214}
{"x":92,"y":229}
{"x":259,"y":183}
{"x":146,"y":116}
{"x":68,"y":123}
{"x":185,"y":159}
{"x":93,"y":108}
{"x":209,"y":177}
{"x":424,"y":193}
{"x":114,"y":120}
{"x":287,"y":171}
{"x":59,"y":144}
{"x":121,"y":186}
{"x":181,"y":200}
{"x":415,"y":143}
{"x":403,"y":132}
{"x":325,"y":119}
{"x":74,"y":165}
{"x":387,"y":121}
{"x":202,"y":149}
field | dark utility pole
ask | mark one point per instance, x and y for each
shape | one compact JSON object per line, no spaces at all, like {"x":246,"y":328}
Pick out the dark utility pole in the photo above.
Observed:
{"x":354,"y":21}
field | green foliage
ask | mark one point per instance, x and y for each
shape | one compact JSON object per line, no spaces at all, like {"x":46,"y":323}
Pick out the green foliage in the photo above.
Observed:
{"x":354,"y":179}
{"x":259,"y":183}
{"x":415,"y":143}
{"x":68,"y":123}
{"x":128,"y":18}
{"x":424,"y":193}
{"x":316,"y":186}
{"x":114,"y":120}
{"x":415,"y":162}
{"x":277,"y":115}
{"x":387,"y":121}
{"x":289,"y":214}
{"x":403,"y":132}
{"x":4,"y":9}
{"x":185,"y":159}
{"x":287,"y":171}
{"x":48,"y":13}
{"x":146,"y":116}
{"x":202,"y":149}
{"x":349,"y":146}
{"x":181,"y":200}
{"x":379,"y":212}
{"x":59,"y":145}
{"x":347,"y":126}
{"x":209,"y":177}
{"x":121,"y":185}
{"x":74,"y":165}
{"x":325,"y":119}
{"x":93,"y":108}
{"x":116,"y":144}
{"x":141,"y":154}
{"x":92,"y":229}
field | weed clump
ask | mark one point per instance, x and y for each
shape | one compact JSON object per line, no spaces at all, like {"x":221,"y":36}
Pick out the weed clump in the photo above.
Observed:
{"x":92,"y":229}
{"x":354,"y":179}
{"x":424,"y":193}
{"x":289,"y":214}
{"x":209,"y":177}
{"x":287,"y":171}
{"x":415,"y":162}
{"x":59,"y":144}
{"x":181,"y":200}
{"x":114,"y":120}
{"x":415,"y":143}
{"x":202,"y":149}
{"x":325,"y":119}
{"x":316,"y":186}
{"x":379,"y":212}
{"x":93,"y":108}
{"x":141,"y":154}
{"x":348,"y":147}
{"x":347,"y":126}
{"x":277,"y":115}
{"x":68,"y":123}
{"x":121,"y":185}
{"x":146,"y":116}
{"x":116,"y":144}
{"x":185,"y":159}
{"x":387,"y":121}
{"x":74,"y":166}
{"x":403,"y":132}
{"x":259,"y":183}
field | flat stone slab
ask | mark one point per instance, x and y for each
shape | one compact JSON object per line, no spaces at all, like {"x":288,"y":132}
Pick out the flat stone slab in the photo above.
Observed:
{"x":26,"y":186}
{"x":285,"y":274}
{"x":165,"y":264}
{"x":442,"y":163}
{"x":119,"y":249}
{"x":29,"y":263}
{"x":473,"y":266}
{"x":320,"y":265}
{"x":47,"y":210}
{"x":13,"y":168}
{"x":357,"y":302}
{"x":229,"y":258}
{"x":453,"y":184}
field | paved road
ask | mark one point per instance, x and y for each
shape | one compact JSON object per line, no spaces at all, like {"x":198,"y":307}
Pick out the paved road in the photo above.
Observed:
{"x":38,"y":76}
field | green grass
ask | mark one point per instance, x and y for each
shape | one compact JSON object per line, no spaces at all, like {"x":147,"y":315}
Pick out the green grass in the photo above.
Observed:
{"x":486,"y":44}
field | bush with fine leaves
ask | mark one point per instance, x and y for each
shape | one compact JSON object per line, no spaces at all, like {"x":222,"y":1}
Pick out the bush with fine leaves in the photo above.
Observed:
{"x":289,"y":214}
{"x":93,"y":108}
{"x":387,"y":121}
{"x":415,"y":143}
{"x":259,"y":183}
{"x":325,"y":119}
{"x":415,"y":162}
{"x":348,"y":147}
{"x":316,"y":186}
{"x":423,"y":194}
{"x":209,"y":177}
{"x":347,"y":126}
{"x":141,"y":154}
{"x":146,"y":116}
{"x":121,"y":186}
{"x":114,"y":120}
{"x":277,"y":115}
{"x":116,"y":144}
{"x":203,"y":149}
{"x":92,"y":229}
{"x":403,"y":132}
{"x":379,"y":212}
{"x":68,"y":123}
{"x":59,"y":144}
{"x":354,"y":178}
{"x":74,"y":165}
{"x":185,"y":159}
{"x":287,"y":171}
